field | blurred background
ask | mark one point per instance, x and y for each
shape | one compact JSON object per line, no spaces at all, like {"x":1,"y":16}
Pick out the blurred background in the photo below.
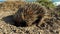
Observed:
{"x":55,"y":2}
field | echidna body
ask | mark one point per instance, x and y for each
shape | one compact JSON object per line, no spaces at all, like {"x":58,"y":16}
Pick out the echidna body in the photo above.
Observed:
{"x":29,"y":13}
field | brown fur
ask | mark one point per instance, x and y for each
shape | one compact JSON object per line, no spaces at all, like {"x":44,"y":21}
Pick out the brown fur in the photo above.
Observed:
{"x":29,"y":13}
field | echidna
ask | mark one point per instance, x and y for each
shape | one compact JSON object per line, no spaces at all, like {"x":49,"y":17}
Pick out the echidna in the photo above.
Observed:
{"x":29,"y":13}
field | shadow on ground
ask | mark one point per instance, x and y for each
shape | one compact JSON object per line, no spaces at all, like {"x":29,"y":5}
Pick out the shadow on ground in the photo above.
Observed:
{"x":9,"y":20}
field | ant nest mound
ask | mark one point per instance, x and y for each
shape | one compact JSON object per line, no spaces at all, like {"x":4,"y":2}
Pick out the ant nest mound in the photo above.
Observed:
{"x":29,"y":14}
